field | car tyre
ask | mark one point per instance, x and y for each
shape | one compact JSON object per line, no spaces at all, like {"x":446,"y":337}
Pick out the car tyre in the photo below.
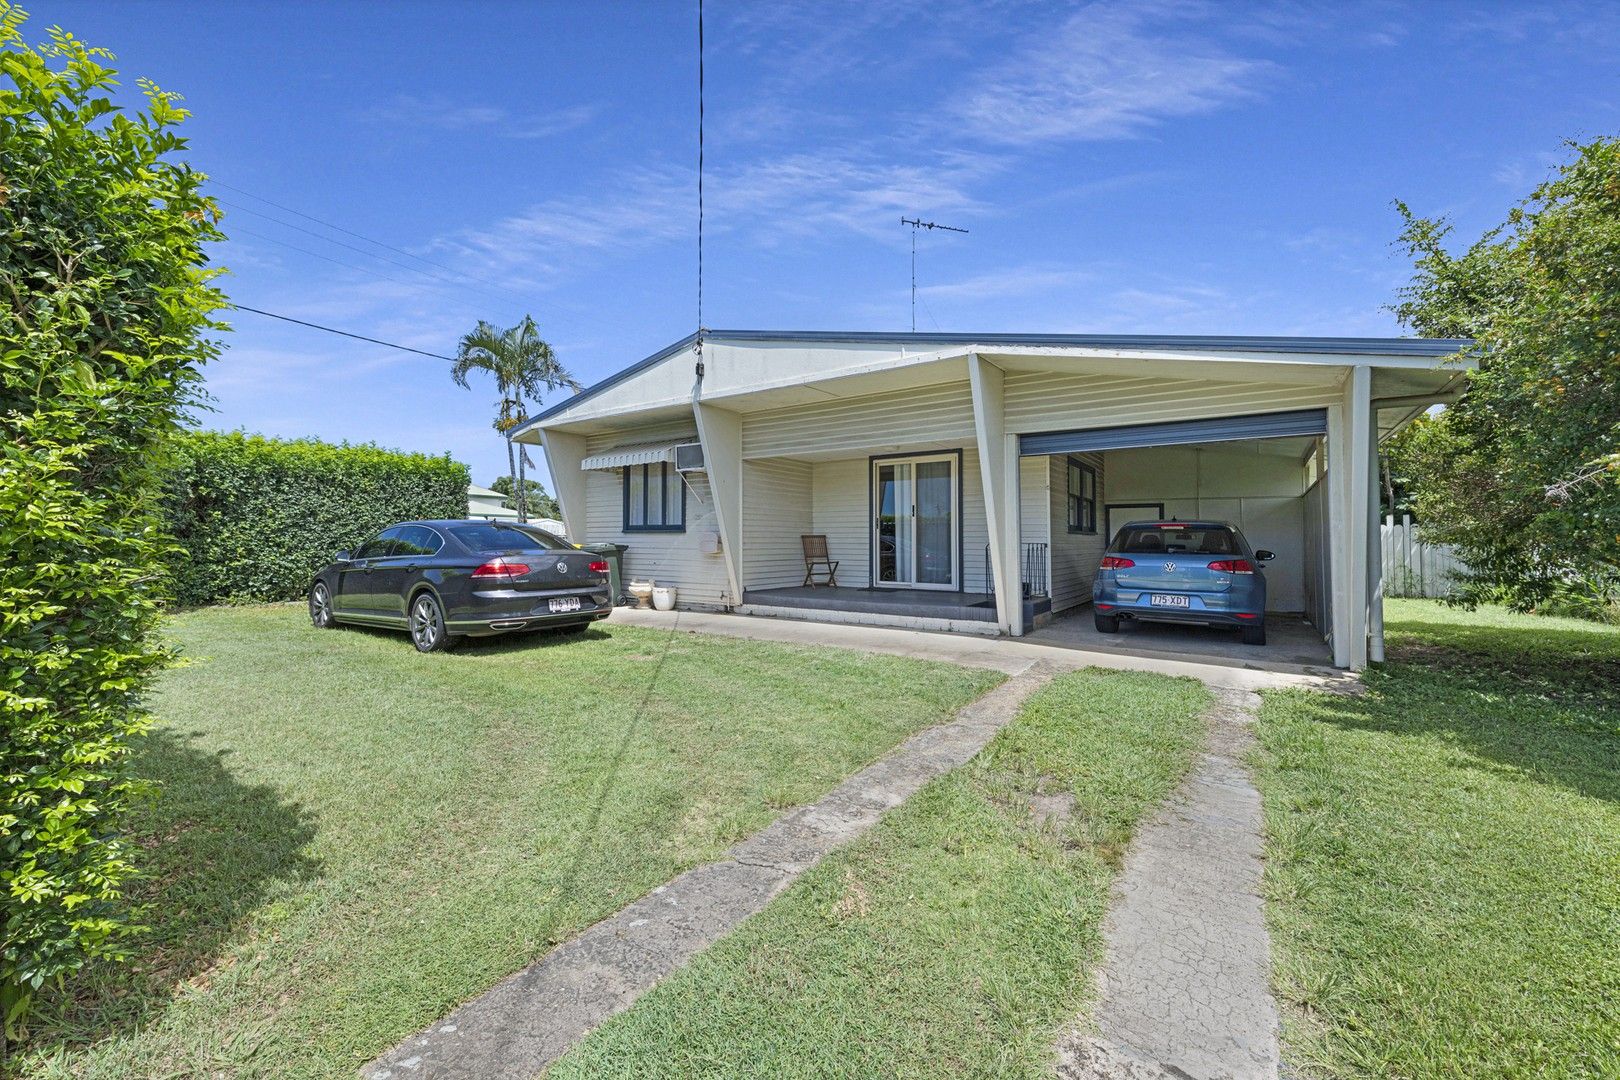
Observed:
{"x":320,"y":607}
{"x":428,"y":631}
{"x":1254,"y":635}
{"x":1106,"y":624}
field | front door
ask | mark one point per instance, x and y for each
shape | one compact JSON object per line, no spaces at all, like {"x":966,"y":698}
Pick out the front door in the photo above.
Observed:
{"x":914,"y":531}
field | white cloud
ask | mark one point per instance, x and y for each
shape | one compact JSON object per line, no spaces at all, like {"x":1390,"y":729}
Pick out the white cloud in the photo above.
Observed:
{"x":1108,"y":72}
{"x":443,"y":114}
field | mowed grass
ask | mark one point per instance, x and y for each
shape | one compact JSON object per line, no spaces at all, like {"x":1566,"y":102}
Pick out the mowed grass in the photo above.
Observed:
{"x":1443,"y":869}
{"x":954,"y":939}
{"x":353,"y":837}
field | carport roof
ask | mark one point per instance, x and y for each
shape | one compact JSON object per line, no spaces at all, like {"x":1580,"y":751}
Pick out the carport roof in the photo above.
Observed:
{"x":1318,"y":346}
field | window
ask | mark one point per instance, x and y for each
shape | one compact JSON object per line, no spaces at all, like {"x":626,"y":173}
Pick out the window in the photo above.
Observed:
{"x":495,"y":537}
{"x":1082,"y":497}
{"x":379,"y":547}
{"x":654,"y":498}
{"x":417,"y":540}
{"x":1177,"y":539}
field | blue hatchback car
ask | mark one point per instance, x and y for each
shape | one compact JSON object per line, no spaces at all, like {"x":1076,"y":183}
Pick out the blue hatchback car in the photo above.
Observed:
{"x":1200,"y":572}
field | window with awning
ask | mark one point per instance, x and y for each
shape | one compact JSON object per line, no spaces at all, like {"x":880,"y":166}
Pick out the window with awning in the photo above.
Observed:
{"x":619,"y":457}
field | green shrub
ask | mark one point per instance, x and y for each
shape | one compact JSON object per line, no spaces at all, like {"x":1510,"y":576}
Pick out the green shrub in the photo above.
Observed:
{"x":256,"y":517}
{"x":104,"y":308}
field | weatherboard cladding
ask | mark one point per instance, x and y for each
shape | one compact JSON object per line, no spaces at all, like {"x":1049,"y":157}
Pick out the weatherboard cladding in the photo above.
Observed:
{"x":1435,"y":347}
{"x":927,"y":414}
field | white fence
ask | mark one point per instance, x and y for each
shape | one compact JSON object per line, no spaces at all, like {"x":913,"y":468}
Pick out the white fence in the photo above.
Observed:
{"x":1413,"y":567}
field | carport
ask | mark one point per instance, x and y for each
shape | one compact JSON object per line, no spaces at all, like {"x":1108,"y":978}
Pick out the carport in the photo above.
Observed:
{"x":1265,"y":473}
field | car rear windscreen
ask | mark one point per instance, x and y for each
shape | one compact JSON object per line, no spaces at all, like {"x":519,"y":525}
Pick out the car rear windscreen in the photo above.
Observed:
{"x":1177,"y":539}
{"x":492,"y":537}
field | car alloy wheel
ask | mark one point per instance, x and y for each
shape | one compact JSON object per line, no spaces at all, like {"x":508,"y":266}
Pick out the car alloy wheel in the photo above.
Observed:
{"x":320,"y":607}
{"x":427,"y":624}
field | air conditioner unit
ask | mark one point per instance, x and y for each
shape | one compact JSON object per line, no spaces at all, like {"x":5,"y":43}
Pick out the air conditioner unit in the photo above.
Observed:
{"x":689,"y":457}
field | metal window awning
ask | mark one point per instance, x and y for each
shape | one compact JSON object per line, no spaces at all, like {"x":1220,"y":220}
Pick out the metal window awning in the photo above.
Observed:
{"x":1181,"y":432}
{"x":633,"y":454}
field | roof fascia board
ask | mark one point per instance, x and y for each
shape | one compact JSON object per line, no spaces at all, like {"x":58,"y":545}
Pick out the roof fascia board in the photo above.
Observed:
{"x":1381,"y":352}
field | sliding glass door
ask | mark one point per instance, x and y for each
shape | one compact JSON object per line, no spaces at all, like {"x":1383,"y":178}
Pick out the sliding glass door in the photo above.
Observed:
{"x":915,"y":528}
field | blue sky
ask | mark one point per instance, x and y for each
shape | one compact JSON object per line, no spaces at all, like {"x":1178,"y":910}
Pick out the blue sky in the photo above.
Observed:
{"x":1174,"y":166}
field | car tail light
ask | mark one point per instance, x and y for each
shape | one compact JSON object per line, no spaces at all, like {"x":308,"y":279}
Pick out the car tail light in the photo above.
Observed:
{"x":501,"y":570}
{"x":600,"y":566}
{"x":1114,"y":562}
{"x":1105,"y":607}
{"x":1232,"y":566}
{"x":1245,"y":615}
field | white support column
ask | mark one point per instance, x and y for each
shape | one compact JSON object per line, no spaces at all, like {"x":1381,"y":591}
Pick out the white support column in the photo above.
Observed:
{"x":564,"y":452}
{"x":1375,"y":548}
{"x":720,"y":432}
{"x":1359,"y":510}
{"x":1012,"y":535}
{"x":986,"y":381}
{"x":1334,"y":509}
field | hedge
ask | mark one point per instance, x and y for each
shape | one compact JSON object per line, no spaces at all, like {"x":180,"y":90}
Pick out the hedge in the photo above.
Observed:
{"x":105,"y":320}
{"x":256,"y":517}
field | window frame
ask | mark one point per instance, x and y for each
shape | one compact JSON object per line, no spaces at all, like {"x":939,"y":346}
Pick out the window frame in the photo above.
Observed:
{"x":1086,"y":505}
{"x":667,"y":474}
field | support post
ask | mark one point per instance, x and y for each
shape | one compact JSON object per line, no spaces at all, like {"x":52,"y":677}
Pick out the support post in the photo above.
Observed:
{"x":1359,"y":509}
{"x":1375,"y":546}
{"x":987,"y":382}
{"x":720,"y":432}
{"x":564,"y":452}
{"x":1334,"y":507}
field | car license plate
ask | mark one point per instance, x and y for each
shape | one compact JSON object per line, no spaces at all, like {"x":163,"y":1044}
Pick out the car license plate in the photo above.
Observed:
{"x":564,"y":603}
{"x":1157,"y":600}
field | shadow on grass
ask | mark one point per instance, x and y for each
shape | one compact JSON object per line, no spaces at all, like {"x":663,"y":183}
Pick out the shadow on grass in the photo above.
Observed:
{"x":1544,"y":702}
{"x":496,"y":645}
{"x":213,"y":849}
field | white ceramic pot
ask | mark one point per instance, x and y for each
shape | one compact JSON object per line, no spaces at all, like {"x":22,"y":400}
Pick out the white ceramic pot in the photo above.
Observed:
{"x":663,"y":598}
{"x":642,"y":591}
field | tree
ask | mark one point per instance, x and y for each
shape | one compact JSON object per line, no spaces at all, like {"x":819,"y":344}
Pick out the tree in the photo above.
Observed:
{"x":1523,"y":473}
{"x":105,"y":303}
{"x":535,"y":496}
{"x":524,"y":368}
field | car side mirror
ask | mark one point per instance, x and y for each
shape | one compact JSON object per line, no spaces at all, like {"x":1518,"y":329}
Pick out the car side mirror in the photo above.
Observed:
{"x":341,"y":556}
{"x":1265,"y":556}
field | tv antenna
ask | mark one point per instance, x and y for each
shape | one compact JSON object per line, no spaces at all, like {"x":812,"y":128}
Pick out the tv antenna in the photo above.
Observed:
{"x":915,"y":225}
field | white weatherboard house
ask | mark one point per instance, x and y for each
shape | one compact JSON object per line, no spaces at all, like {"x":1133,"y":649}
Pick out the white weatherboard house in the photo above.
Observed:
{"x":969,"y":482}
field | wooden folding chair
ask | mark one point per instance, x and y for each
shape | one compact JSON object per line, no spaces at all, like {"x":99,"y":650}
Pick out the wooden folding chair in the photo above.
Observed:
{"x":816,"y":561}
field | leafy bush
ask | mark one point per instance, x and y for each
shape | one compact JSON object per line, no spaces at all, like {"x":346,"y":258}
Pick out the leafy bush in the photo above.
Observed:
{"x":256,"y":517}
{"x":104,"y":308}
{"x":1523,"y":474}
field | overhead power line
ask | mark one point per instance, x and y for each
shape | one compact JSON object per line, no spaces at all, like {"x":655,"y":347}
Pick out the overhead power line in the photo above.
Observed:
{"x":561,"y":309}
{"x":343,"y":333}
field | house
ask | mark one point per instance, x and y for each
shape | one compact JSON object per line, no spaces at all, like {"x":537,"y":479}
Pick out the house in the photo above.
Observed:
{"x":483,"y":502}
{"x":969,"y":482}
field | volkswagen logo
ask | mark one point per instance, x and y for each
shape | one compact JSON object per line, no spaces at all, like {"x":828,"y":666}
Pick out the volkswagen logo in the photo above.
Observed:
{"x":1169,"y":567}
{"x":562,"y":566}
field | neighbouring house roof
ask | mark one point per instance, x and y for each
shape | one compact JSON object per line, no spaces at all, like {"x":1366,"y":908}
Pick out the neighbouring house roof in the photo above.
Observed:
{"x":1415,"y":348}
{"x":476,"y":492}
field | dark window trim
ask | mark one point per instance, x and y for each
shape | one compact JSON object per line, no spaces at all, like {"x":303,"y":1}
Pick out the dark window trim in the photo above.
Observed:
{"x":1072,"y":462}
{"x":666,"y":475}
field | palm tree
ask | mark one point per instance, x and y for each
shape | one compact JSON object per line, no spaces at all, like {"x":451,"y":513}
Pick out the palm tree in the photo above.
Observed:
{"x":524,"y":369}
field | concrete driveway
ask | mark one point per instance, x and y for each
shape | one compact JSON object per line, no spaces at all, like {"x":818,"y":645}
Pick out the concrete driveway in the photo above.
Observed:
{"x":1292,"y":643}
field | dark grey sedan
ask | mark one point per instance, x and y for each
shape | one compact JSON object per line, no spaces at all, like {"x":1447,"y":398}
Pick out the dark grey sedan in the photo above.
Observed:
{"x":445,"y":580}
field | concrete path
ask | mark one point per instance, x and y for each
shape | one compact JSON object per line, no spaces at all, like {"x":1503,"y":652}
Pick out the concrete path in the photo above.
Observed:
{"x":1185,"y":989}
{"x":1000,"y":653}
{"x":529,"y":1020}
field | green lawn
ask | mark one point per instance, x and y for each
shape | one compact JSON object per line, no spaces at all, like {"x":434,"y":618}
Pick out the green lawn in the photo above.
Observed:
{"x":1443,"y":873}
{"x":355,"y":837}
{"x":957,"y":937}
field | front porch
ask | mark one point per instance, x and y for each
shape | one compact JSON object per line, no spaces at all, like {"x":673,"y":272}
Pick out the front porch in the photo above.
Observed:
{"x":905,"y":603}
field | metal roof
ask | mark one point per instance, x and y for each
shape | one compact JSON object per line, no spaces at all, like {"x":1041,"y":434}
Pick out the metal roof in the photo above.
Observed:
{"x":1436,"y":347}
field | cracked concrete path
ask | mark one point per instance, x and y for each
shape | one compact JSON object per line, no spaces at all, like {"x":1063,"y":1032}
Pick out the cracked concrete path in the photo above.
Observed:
{"x":1185,"y":990}
{"x":530,"y":1019}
